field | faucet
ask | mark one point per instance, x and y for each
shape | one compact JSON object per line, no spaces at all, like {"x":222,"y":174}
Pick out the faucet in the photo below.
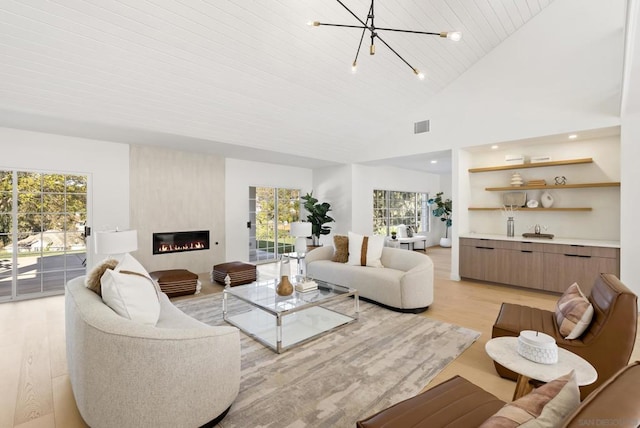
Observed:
{"x":536,"y":229}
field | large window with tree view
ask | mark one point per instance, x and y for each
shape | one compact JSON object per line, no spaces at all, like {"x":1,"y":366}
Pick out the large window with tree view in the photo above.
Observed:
{"x":42,"y":241}
{"x":392,"y":208}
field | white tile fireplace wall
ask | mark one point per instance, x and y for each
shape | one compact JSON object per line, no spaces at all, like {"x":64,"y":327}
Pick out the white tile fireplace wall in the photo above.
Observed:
{"x":177,"y":191}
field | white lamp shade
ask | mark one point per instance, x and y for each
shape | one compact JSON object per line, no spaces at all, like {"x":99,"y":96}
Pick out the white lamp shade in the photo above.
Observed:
{"x":116,"y":242}
{"x":300,"y":229}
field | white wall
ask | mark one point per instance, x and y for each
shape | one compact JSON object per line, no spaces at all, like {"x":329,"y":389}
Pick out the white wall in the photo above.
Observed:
{"x":239,"y":176}
{"x":600,"y":223}
{"x":106,"y":164}
{"x":630,"y":203}
{"x":334,"y":185}
{"x":367,"y":178}
{"x":546,"y":78}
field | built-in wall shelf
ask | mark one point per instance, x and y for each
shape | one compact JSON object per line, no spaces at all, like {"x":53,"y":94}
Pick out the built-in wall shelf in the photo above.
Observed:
{"x":553,"y":186}
{"x":532,"y":165}
{"x":520,"y":210}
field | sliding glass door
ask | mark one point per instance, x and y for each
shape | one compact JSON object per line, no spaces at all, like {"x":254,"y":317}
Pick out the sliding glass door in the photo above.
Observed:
{"x":42,"y":241}
{"x":271,"y":211}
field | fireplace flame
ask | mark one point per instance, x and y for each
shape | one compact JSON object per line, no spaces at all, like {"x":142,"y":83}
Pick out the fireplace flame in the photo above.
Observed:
{"x":199,"y":245}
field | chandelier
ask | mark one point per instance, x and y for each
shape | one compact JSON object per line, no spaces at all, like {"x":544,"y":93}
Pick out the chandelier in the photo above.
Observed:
{"x":368,"y":25}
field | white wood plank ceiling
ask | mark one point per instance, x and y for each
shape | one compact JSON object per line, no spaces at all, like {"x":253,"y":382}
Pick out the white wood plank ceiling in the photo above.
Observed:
{"x":242,"y":73}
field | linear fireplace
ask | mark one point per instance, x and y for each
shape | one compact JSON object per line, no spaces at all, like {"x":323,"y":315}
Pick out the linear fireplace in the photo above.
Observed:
{"x":173,"y":242}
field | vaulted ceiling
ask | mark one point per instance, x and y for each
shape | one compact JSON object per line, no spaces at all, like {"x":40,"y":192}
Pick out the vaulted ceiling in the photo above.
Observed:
{"x":247,"y":79}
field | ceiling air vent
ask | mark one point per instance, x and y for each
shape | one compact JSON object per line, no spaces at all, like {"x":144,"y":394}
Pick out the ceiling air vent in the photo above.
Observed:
{"x":420,"y":127}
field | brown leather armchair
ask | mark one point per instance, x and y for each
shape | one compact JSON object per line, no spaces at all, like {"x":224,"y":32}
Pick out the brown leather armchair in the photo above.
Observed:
{"x":608,"y":342}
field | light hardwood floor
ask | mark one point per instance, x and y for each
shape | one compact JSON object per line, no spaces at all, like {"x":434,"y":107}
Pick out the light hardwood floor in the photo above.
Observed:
{"x":35,"y":387}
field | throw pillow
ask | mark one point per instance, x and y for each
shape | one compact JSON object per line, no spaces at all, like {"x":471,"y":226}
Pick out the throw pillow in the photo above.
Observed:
{"x":546,"y":406}
{"x":93,"y":279}
{"x":131,"y":295}
{"x":409,"y":232}
{"x":341,"y":254}
{"x":574,"y":312}
{"x":365,"y":250}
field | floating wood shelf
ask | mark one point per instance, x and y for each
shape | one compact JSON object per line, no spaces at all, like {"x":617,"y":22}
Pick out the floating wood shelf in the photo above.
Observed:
{"x":532,"y":165}
{"x":521,"y":209}
{"x":553,"y":186}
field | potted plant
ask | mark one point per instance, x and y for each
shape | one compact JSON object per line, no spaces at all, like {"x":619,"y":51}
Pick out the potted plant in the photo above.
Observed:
{"x":394,"y":234}
{"x":317,"y":217}
{"x":442,"y":210}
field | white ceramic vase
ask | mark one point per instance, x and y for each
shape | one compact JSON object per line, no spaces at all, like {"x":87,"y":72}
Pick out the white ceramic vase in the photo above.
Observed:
{"x":546,"y":200}
{"x":445,"y":242}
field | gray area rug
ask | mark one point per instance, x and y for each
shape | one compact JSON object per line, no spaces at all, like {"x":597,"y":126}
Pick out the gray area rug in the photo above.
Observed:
{"x":344,"y":376}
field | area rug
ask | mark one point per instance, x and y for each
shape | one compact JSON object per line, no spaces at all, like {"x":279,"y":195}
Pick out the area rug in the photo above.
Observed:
{"x":344,"y":376}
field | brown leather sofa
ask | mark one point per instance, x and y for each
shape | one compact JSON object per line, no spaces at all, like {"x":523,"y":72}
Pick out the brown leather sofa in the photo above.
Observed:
{"x":608,"y":342}
{"x":461,"y":404}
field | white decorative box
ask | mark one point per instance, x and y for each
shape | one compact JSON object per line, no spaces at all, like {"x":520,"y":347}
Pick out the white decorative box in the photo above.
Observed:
{"x":538,"y":159}
{"x":537,"y":347}
{"x":515,"y":159}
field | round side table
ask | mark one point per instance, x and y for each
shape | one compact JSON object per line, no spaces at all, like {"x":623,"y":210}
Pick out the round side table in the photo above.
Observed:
{"x":504,"y":350}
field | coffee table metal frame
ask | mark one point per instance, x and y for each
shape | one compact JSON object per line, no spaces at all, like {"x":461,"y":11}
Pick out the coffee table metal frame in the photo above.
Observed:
{"x":504,"y":350}
{"x":281,"y":323}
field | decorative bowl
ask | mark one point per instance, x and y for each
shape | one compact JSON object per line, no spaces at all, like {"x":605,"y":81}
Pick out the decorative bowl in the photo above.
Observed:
{"x":537,"y":347}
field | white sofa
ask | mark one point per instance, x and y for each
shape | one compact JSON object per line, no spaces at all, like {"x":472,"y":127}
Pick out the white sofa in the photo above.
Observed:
{"x":180,"y":372}
{"x":405,"y":283}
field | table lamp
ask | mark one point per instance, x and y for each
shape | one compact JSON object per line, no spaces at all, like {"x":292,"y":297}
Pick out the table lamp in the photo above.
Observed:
{"x":300,"y":229}
{"x":115,"y":242}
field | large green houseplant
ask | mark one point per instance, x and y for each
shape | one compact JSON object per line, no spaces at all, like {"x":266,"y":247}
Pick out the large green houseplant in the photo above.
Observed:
{"x":443,"y":210}
{"x":317,"y":216}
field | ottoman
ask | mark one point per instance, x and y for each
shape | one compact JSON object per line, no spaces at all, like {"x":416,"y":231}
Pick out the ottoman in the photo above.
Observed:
{"x":176,"y":282}
{"x":239,"y":272}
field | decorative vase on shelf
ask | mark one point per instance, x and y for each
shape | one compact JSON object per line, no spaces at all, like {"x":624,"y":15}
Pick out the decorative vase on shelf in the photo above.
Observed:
{"x":546,"y":200}
{"x":516,"y":180}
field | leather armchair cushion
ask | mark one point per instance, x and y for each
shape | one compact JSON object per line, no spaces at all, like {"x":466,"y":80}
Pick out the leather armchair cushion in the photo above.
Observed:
{"x":453,"y":403}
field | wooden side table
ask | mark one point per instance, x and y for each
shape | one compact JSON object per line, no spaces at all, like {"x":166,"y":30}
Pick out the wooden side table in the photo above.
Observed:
{"x":504,"y":350}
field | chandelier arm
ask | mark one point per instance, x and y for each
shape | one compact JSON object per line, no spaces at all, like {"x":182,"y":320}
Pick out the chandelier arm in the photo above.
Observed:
{"x":408,"y":31}
{"x":353,"y":14}
{"x":397,"y":54}
{"x":364,"y":30}
{"x":343,"y":25}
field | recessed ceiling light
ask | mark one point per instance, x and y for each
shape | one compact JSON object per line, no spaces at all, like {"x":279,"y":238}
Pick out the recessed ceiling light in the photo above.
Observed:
{"x":434,"y":161}
{"x":573,"y":136}
{"x":495,"y":146}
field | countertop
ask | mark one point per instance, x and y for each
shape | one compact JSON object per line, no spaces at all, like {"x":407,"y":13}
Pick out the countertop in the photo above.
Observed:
{"x":555,"y":240}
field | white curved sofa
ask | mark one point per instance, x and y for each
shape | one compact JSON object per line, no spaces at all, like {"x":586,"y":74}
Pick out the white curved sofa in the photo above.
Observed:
{"x":180,"y":372}
{"x":405,"y":283}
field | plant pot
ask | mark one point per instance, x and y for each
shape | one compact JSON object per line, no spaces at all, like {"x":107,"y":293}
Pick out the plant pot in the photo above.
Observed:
{"x":445,"y":242}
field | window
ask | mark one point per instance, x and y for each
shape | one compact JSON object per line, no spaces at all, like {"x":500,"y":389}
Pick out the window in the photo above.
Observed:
{"x":391,"y":208}
{"x":271,"y":211}
{"x":42,"y":242}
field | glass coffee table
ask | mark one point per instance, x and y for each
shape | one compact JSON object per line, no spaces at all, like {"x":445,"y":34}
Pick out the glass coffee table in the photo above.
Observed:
{"x":281,"y":323}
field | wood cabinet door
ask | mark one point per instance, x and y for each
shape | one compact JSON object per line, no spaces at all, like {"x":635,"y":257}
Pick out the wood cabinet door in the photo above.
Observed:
{"x":521,"y":267}
{"x":562,"y":270}
{"x":478,"y":262}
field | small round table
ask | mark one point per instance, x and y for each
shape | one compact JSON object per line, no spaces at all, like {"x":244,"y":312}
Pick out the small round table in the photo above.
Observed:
{"x":504,"y":350}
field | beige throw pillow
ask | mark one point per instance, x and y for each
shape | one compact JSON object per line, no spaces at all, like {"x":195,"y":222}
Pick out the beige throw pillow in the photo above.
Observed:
{"x":546,"y":406}
{"x":93,"y":279}
{"x":574,"y":312}
{"x":341,"y":243}
{"x":365,"y":250}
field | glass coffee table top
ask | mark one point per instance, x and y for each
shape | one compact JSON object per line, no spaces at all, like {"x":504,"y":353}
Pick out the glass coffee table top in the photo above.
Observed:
{"x":282,"y":322}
